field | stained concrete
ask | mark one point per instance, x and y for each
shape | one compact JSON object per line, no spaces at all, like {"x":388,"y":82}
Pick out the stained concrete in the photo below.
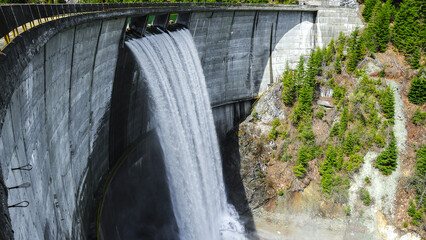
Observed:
{"x":67,"y":111}
{"x":52,"y":123}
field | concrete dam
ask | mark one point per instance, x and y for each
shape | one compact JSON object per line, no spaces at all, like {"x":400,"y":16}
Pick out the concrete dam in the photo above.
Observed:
{"x":80,"y":149}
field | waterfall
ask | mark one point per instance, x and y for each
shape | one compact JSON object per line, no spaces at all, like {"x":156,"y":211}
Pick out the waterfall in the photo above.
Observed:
{"x":171,"y":69}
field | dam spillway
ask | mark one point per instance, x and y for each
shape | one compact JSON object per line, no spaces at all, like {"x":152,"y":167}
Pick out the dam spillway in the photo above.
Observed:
{"x":184,"y":124}
{"x":71,"y":108}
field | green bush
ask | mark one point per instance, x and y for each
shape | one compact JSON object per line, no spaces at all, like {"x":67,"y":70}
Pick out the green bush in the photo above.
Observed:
{"x":255,"y":115}
{"x":419,"y":117}
{"x":281,"y":193}
{"x":321,"y":112}
{"x":348,"y":210}
{"x":354,"y":163}
{"x":365,"y":196}
{"x":417,"y":93}
{"x":274,"y":133}
{"x":405,"y":224}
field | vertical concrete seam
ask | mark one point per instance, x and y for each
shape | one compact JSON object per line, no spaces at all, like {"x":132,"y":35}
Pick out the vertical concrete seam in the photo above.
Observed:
{"x":254,"y":27}
{"x":69,"y":100}
{"x":91,"y":86}
{"x":227,"y":50}
{"x":271,"y":76}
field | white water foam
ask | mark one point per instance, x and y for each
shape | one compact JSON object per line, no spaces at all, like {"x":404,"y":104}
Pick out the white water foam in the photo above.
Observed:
{"x":180,"y":104}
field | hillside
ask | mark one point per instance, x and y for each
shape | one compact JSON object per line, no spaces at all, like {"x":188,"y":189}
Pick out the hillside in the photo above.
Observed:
{"x":333,"y":146}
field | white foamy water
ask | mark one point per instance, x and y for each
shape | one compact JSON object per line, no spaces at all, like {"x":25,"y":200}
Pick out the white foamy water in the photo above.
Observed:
{"x":180,"y":104}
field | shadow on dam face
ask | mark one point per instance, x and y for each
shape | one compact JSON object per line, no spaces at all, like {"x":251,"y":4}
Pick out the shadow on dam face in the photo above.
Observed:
{"x":137,"y":204}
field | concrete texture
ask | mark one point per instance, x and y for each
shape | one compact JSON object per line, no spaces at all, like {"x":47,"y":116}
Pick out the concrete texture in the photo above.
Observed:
{"x":52,"y":123}
{"x":66,"y":110}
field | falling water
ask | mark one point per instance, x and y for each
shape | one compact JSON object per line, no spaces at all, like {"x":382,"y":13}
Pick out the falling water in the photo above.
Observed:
{"x":180,"y":104}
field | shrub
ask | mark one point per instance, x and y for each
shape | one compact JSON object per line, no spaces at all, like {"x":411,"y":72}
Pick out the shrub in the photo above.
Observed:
{"x":419,"y":117}
{"x":274,"y":133}
{"x":353,"y":164}
{"x":405,"y":224}
{"x":255,"y":115}
{"x":281,"y":193}
{"x":417,"y":93}
{"x":348,"y":210}
{"x":367,"y":180}
{"x":321,"y":112}
{"x":365,"y":196}
{"x":382,"y":73}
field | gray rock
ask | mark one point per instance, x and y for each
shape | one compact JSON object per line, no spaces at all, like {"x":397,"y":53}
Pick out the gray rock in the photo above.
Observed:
{"x":325,"y":104}
{"x":270,"y":105}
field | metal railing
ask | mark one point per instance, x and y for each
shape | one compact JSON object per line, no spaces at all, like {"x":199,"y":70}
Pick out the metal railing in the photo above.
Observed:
{"x":17,"y":18}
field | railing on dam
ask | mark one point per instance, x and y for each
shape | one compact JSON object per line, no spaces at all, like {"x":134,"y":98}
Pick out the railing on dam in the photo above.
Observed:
{"x":17,"y":18}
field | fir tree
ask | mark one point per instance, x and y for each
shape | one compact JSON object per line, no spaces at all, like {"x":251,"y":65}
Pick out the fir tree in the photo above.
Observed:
{"x":409,"y":30}
{"x":354,"y":52}
{"x":311,"y":70}
{"x":289,"y":91}
{"x":386,"y":162}
{"x":368,"y":9}
{"x":338,"y":64}
{"x":341,"y":41}
{"x":331,"y":50}
{"x":388,"y":103}
{"x":417,"y":93}
{"x":380,"y":25}
{"x":299,"y":73}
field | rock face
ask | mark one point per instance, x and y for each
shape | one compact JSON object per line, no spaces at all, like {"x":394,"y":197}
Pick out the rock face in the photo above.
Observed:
{"x":270,"y":105}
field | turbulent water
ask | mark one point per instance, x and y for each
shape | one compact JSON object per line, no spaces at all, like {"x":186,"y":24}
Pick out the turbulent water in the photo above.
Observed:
{"x":180,"y":104}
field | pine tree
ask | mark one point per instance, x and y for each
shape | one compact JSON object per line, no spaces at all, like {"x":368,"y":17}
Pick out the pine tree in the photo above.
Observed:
{"x":341,"y":44}
{"x":417,"y":93}
{"x":406,"y":26}
{"x":313,"y":67}
{"x":380,"y":25}
{"x":388,"y":103}
{"x":409,"y":30}
{"x":289,"y":91}
{"x":386,"y":162}
{"x":354,"y":52}
{"x":299,"y":74}
{"x":331,"y":50}
{"x":368,"y":9}
{"x":338,"y":64}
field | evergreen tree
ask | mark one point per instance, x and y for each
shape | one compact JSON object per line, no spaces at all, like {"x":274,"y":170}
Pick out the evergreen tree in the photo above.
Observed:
{"x":299,"y":74}
{"x":388,"y":103}
{"x":331,"y":50}
{"x":368,"y":9}
{"x":417,"y":93}
{"x":341,"y":41}
{"x":303,"y":110}
{"x":386,"y":162}
{"x":303,"y":159}
{"x":409,"y":30}
{"x":311,"y":70}
{"x":289,"y":91}
{"x":354,"y":52}
{"x":338,"y":64}
{"x":380,"y":25}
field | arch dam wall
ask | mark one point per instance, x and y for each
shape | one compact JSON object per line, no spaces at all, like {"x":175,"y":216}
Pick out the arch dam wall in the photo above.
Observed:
{"x":71,"y":106}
